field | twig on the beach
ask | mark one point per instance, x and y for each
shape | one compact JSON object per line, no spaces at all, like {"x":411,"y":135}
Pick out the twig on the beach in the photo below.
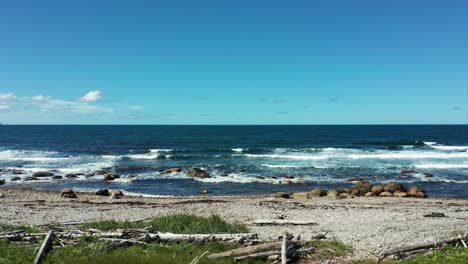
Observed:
{"x":434,"y":214}
{"x":281,"y":222}
{"x":428,"y":245}
{"x":197,"y":258}
{"x":284,"y":246}
{"x":462,"y":241}
{"x":44,"y":247}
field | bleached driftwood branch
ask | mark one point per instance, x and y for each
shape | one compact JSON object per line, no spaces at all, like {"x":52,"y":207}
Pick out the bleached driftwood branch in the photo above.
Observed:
{"x":280,"y":222}
{"x":44,"y":247}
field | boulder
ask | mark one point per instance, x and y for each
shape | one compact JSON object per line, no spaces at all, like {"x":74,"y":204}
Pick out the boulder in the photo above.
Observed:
{"x":377,"y":189}
{"x":363,"y":186}
{"x":345,"y":196}
{"x":347,"y":190}
{"x":385,"y":194}
{"x":400,"y":194}
{"x":408,"y":172}
{"x":42,"y":174}
{"x":2,"y":181}
{"x":16,"y":178}
{"x":416,"y":192}
{"x":103,"y":192}
{"x":428,"y":175}
{"x":393,"y":187}
{"x":56,"y":177}
{"x":68,"y":193}
{"x":171,"y":170}
{"x":198,"y":173}
{"x":110,"y":176}
{"x":369,"y":194}
{"x":300,"y":195}
{"x":17,"y":172}
{"x":316,"y":193}
{"x":355,"y":179}
{"x":333,"y":194}
{"x":116,"y":194}
{"x":282,"y":195}
{"x":31,"y":179}
{"x":71,"y":176}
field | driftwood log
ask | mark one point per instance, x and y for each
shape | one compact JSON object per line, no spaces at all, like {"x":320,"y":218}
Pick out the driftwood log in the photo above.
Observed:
{"x":44,"y":247}
{"x":284,"y":247}
{"x":280,"y":222}
{"x":247,"y":250}
{"x":427,"y":245}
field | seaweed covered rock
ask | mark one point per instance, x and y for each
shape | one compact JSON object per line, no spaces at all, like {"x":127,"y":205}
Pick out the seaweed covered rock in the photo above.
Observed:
{"x":198,"y":173}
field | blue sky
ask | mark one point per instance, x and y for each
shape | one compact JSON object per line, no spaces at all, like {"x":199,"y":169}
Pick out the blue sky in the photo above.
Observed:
{"x":234,"y":62}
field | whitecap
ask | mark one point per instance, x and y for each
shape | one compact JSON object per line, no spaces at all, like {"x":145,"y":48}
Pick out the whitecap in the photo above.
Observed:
{"x":441,"y":166}
{"x":237,"y":149}
{"x":294,"y":157}
{"x":160,"y":150}
{"x":450,"y":147}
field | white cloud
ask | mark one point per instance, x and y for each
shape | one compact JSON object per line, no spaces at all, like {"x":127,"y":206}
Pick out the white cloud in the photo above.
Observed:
{"x":136,"y":107}
{"x":91,"y":96}
{"x":41,"y":98}
{"x":7,"y":100}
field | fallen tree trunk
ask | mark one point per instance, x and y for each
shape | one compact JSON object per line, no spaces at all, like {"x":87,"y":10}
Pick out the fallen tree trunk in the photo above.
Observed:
{"x":266,"y":254}
{"x":247,"y":250}
{"x":280,"y":222}
{"x":426,"y":245}
{"x":44,"y":247}
{"x":284,"y":246}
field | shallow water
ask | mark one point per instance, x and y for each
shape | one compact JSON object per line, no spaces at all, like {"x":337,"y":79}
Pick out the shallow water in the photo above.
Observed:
{"x":256,"y":159}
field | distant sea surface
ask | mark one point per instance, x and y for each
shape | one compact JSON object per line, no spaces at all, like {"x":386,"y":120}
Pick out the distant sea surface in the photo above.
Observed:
{"x":240,"y":159}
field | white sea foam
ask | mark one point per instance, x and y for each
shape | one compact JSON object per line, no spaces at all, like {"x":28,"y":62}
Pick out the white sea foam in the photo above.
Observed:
{"x":144,"y":156}
{"x":429,"y":143}
{"x":441,"y":166}
{"x":238,"y":149}
{"x":450,"y":147}
{"x":160,"y":150}
{"x":281,"y":166}
{"x":294,"y":157}
{"x":408,"y":155}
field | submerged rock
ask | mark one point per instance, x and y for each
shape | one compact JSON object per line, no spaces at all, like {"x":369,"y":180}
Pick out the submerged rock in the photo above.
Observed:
{"x":355,"y":179}
{"x":16,"y":178}
{"x":110,"y":177}
{"x":43,"y":174}
{"x":198,"y":173}
{"x":408,"y":172}
{"x":56,"y":177}
{"x":171,"y":170}
{"x":2,"y":181}
{"x":71,"y":176}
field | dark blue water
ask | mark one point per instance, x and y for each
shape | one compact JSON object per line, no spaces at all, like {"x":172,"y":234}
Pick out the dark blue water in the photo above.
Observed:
{"x":241,"y":159}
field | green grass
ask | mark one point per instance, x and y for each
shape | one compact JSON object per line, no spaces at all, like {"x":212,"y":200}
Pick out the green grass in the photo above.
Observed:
{"x":16,"y":254}
{"x":179,"y":223}
{"x":28,"y":229}
{"x":448,"y":255}
{"x":337,"y":247}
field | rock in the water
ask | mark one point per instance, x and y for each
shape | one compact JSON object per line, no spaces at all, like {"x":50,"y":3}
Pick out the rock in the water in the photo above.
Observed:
{"x":17,"y":172}
{"x":355,"y":179}
{"x":385,"y":194}
{"x":300,"y":195}
{"x":103,"y":192}
{"x":16,"y":178}
{"x":416,"y":192}
{"x":282,"y":195}
{"x":400,"y":194}
{"x":393,"y":187}
{"x":171,"y":170}
{"x":42,"y":174}
{"x":408,"y":172}
{"x":71,"y":176}
{"x":68,"y":193}
{"x":377,"y":189}
{"x":198,"y":173}
{"x":2,"y":181}
{"x":31,"y":179}
{"x":257,"y":177}
{"x":316,"y":193}
{"x":56,"y":177}
{"x":289,"y":177}
{"x":428,"y":175}
{"x":110,"y":176}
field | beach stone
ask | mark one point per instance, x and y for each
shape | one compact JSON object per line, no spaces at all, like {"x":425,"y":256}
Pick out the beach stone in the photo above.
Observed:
{"x":116,"y":194}
{"x":198,"y":173}
{"x":428,"y":175}
{"x":355,"y":192}
{"x":316,"y":193}
{"x":68,"y":193}
{"x":16,"y":178}
{"x":363,"y":187}
{"x":385,"y":194}
{"x":369,"y":194}
{"x":31,"y":179}
{"x":103,"y":192}
{"x":345,"y":196}
{"x":416,"y":192}
{"x":282,"y":195}
{"x":377,"y":189}
{"x":2,"y":181}
{"x":71,"y":176}
{"x":56,"y":177}
{"x":42,"y":174}
{"x":400,"y":194}
{"x":300,"y":195}
{"x":408,"y":172}
{"x":171,"y":170}
{"x":348,"y":191}
{"x":2,"y":195}
{"x":333,"y":194}
{"x":355,"y":179}
{"x":289,"y":177}
{"x":393,"y":187}
{"x":273,"y":257}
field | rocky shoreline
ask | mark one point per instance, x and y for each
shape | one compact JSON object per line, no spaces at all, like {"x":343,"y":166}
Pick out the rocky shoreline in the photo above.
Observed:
{"x":369,"y":224}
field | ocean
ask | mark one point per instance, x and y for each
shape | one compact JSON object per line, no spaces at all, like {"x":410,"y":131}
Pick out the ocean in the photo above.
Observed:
{"x":240,"y":159}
